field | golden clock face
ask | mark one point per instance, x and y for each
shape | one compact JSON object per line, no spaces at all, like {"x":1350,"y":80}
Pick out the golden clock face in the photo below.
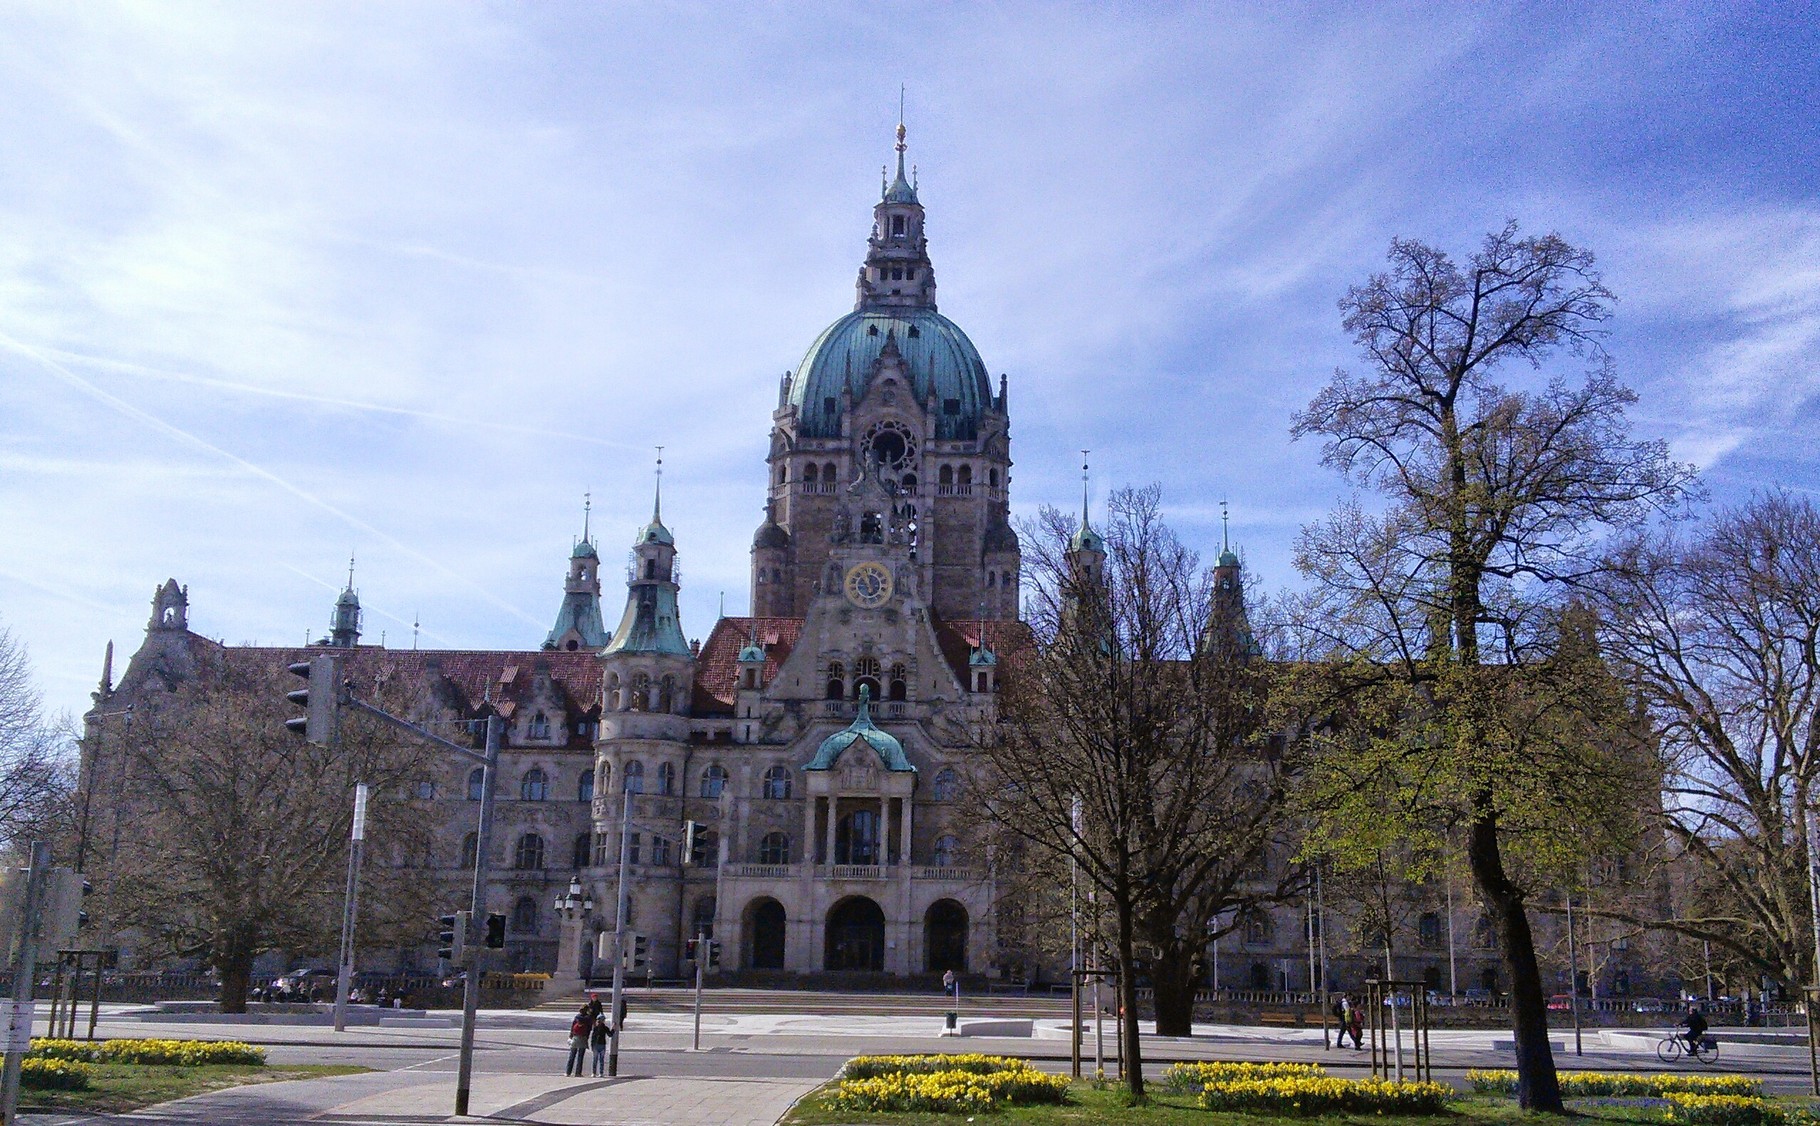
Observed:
{"x":868,"y":584}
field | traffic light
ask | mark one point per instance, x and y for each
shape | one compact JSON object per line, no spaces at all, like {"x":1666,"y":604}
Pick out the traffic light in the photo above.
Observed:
{"x":641,"y":951}
{"x":453,"y":934}
{"x":692,"y":831}
{"x":321,"y":701}
{"x":496,"y":931}
{"x":714,"y":953}
{"x":688,"y":950}
{"x":63,"y":917}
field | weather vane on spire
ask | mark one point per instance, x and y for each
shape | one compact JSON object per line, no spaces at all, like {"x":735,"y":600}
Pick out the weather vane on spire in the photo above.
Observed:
{"x":587,"y":509}
{"x":1085,"y":485}
{"x":657,"y":503}
{"x":1225,"y":537}
{"x":350,"y":569}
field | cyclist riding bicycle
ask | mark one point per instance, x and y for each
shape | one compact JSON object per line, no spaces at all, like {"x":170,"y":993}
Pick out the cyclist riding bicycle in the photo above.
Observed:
{"x":1695,"y":1023}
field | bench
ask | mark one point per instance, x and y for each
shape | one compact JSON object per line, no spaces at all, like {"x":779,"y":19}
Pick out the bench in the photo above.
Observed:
{"x":1291,"y":1020}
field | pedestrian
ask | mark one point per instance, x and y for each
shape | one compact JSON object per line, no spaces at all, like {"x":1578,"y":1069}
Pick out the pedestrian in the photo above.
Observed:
{"x":597,"y":1039}
{"x":579,"y":1030}
{"x":1357,"y":1023}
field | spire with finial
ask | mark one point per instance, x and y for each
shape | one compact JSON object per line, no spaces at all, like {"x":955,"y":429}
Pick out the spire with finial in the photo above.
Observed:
{"x":1227,"y":558}
{"x":657,"y":495}
{"x":1085,"y":539}
{"x":587,"y":513}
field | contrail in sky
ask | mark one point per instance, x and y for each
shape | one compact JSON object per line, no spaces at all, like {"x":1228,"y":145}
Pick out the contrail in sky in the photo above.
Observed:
{"x":261,"y":472}
{"x":324,"y":400}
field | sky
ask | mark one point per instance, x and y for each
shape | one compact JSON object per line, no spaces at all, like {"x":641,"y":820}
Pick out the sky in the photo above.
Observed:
{"x":281,"y":283}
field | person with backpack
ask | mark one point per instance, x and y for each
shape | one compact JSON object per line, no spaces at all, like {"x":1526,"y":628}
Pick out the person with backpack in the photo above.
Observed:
{"x":580,"y":1029}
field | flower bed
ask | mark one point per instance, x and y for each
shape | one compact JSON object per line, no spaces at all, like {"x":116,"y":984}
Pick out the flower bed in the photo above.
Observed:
{"x":871,"y":1067}
{"x":1312,"y":1095}
{"x":1193,"y":1077}
{"x":53,"y":1074}
{"x":169,"y":1053}
{"x":943,"y":1084}
{"x":1729,"y":1110}
{"x":1584,"y":1084}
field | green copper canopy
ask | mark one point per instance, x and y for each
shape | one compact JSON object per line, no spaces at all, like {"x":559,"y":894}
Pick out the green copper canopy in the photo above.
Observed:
{"x":890,"y":752}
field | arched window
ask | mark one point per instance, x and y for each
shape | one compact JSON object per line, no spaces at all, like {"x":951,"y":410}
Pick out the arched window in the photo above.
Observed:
{"x":641,"y":692}
{"x":528,"y":856}
{"x":947,"y":784}
{"x":900,"y":682}
{"x":828,"y":474}
{"x":650,"y":568}
{"x":584,"y":786}
{"x":614,"y":696}
{"x":477,"y":781}
{"x":865,"y":674}
{"x":470,"y":846}
{"x":837,"y":681}
{"x":707,"y":849}
{"x":1257,"y":929}
{"x":946,"y":476}
{"x":992,"y":477}
{"x":713,"y":781}
{"x":540,"y":726}
{"x":774,"y":849}
{"x":964,"y":477}
{"x":534,"y":786}
{"x":812,"y":473}
{"x":524,"y":915}
{"x":635,"y":777}
{"x":947,"y":851}
{"x":666,"y":695}
{"x":666,"y":778}
{"x":583,"y":850}
{"x":777,"y":781}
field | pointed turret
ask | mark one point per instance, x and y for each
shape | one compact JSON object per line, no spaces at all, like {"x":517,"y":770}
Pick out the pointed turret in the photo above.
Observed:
{"x":1228,"y":627}
{"x":344,"y":623}
{"x":651,"y":623}
{"x":897,"y":273}
{"x":1086,"y":547}
{"x":579,"y":624}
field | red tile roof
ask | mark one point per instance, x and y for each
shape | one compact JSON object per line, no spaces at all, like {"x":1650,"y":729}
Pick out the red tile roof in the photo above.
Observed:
{"x":957,"y":639}
{"x":717,"y":668}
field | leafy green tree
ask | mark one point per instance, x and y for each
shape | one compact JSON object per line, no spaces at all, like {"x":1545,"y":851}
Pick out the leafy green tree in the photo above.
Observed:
{"x":1488,"y":497}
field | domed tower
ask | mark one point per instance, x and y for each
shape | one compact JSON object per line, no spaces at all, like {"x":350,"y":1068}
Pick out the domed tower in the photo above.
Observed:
{"x":889,"y":432}
{"x":1228,"y":627}
{"x":578,"y":621}
{"x":344,"y":623}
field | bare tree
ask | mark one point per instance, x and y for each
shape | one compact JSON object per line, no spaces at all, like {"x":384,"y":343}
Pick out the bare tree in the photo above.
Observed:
{"x":1490,"y":494}
{"x":36,"y":763}
{"x":238,"y":830}
{"x":1128,"y":741}
{"x":1720,"y":634}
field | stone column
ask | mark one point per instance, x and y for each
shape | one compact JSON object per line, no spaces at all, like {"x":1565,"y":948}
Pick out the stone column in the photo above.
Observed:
{"x":833,"y":814}
{"x":904,"y":834}
{"x":571,"y":934}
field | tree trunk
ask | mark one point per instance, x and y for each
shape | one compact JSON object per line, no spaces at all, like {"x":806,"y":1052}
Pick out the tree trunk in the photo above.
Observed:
{"x":1131,"y":1055}
{"x":234,"y":959}
{"x":1538,"y":1088}
{"x":1172,"y":975}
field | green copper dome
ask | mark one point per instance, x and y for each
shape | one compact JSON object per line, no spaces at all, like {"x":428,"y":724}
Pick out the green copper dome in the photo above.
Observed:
{"x":942,"y":363}
{"x":890,"y":752}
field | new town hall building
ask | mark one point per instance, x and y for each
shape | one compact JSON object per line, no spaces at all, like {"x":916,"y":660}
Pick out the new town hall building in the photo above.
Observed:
{"x":821,"y":740}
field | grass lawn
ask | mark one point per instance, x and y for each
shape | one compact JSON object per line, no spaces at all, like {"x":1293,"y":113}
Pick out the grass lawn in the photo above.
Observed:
{"x":1088,"y":1105}
{"x":118,"y":1087}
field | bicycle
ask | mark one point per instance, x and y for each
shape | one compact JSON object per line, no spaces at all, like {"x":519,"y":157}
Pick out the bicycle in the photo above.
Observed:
{"x":1672,"y":1048}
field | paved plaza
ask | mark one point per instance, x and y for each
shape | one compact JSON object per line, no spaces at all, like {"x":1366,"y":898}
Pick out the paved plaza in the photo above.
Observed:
{"x":753,"y":1065}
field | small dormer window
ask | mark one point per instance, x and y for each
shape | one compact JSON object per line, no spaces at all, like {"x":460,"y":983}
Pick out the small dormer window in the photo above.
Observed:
{"x":871,"y":330}
{"x":897,"y":273}
{"x":914,"y":331}
{"x":540,"y":726}
{"x":897,"y":226}
{"x":830,"y":405}
{"x":951,"y":406}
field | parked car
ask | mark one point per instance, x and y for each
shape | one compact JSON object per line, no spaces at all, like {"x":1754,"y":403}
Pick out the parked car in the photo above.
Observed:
{"x":1477,"y":995}
{"x":1561,"y":1002}
{"x":1649,"y":1005}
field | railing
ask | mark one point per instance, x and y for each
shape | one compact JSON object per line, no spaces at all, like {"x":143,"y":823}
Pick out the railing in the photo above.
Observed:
{"x":942,"y":872}
{"x":954,"y":490}
{"x":857,"y":872}
{"x":837,"y":708}
{"x":896,"y":710}
{"x":814,"y":487}
{"x":762,"y":871}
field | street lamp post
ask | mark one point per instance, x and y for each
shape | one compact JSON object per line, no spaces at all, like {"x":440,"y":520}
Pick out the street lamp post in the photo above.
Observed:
{"x":573,"y":907}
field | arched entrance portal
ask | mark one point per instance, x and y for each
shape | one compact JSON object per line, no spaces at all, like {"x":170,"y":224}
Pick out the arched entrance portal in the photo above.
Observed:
{"x":945,"y":937}
{"x":765,"y":926}
{"x":856,"y":936}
